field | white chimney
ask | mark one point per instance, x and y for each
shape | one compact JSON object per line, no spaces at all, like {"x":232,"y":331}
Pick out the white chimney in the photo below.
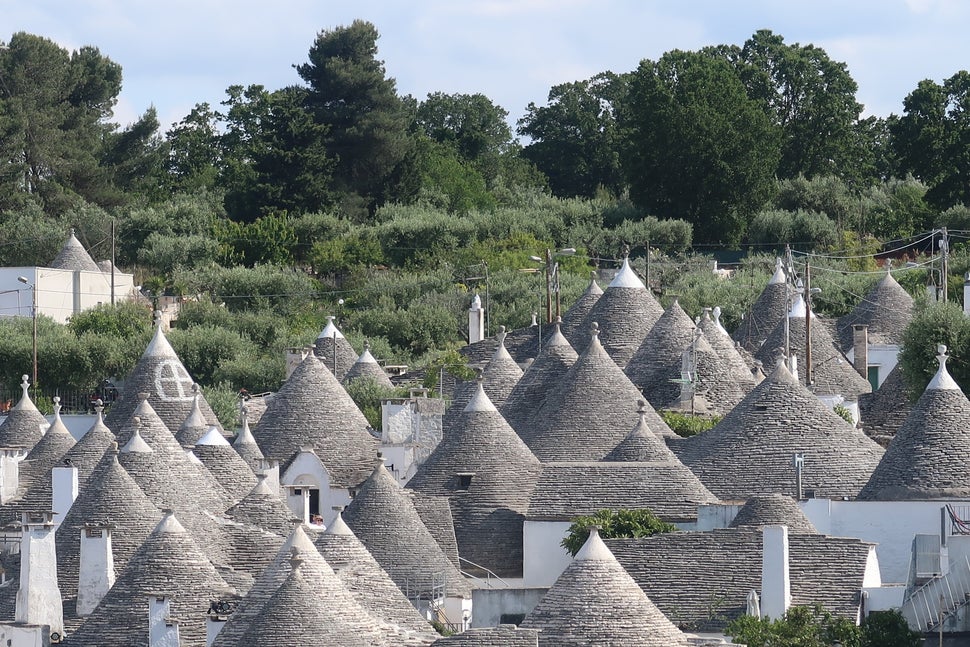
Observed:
{"x":96,"y":571}
{"x":9,"y":474}
{"x":775,"y":574}
{"x":64,"y":489}
{"x":38,"y":598}
{"x":476,"y":321}
{"x":163,"y":631}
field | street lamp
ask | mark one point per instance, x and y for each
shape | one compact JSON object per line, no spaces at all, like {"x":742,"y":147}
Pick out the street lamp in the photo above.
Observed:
{"x":33,"y":316}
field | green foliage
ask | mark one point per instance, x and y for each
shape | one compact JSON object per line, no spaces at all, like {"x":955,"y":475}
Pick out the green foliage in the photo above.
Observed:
{"x":686,"y":425}
{"x":268,"y":240}
{"x":614,"y":524}
{"x":843,"y":412}
{"x":933,"y":324}
{"x":574,"y":137}
{"x":224,"y":400}
{"x":801,"y":229}
{"x":285,"y":290}
{"x":801,"y":627}
{"x":826,"y":194}
{"x":450,"y":361}
{"x":888,"y":629}
{"x":696,"y":146}
{"x":203,"y":348}
{"x":367,"y":394}
{"x":124,"y":319}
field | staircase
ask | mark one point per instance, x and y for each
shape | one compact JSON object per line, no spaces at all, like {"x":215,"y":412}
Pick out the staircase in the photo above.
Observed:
{"x":939,"y":599}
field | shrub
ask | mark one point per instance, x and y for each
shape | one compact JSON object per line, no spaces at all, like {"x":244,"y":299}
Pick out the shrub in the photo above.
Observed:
{"x":686,"y":425}
{"x":614,"y":524}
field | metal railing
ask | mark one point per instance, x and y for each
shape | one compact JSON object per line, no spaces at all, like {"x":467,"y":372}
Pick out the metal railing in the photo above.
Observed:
{"x":932,"y":603}
{"x":485,"y":581}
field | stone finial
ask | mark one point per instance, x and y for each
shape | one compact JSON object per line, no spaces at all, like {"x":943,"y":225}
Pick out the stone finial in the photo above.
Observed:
{"x":99,"y":407}
{"x":25,"y":384}
{"x":535,"y":320}
{"x":593,"y":275}
{"x":379,"y":462}
{"x":625,"y":250}
{"x":195,"y":389}
{"x":942,"y":380}
{"x":501,"y":335}
{"x":479,"y":375}
{"x":113,"y":448}
{"x":594,"y":330}
{"x":57,"y":406}
{"x":296,"y":561}
{"x":367,"y":345}
{"x":142,"y":396}
{"x":157,"y":317}
{"x":642,"y":410}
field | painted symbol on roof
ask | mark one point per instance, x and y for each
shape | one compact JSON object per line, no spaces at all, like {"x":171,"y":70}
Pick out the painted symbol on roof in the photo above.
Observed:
{"x":172,"y":381}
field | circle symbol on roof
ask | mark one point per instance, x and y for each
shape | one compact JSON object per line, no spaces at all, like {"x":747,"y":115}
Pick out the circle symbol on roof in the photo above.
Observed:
{"x":172,"y":381}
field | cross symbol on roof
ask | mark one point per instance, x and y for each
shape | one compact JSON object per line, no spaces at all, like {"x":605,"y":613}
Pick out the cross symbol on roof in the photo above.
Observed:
{"x":172,"y":381}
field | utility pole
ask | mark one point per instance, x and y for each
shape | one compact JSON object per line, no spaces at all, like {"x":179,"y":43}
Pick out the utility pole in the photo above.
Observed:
{"x":548,"y":286}
{"x":112,"y":261}
{"x":945,"y":262}
{"x":788,"y":294}
{"x":808,"y":323}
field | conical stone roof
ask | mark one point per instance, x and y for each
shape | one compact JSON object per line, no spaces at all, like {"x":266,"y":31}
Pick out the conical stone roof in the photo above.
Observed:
{"x":575,"y":316}
{"x":25,"y":424}
{"x":832,"y":373}
{"x":329,"y":339}
{"x":658,"y":360}
{"x":366,"y":367}
{"x":258,"y":612}
{"x":296,"y":614}
{"x":110,"y":496}
{"x":222,"y":461}
{"x":596,"y":602}
{"x":73,"y":256}
{"x":47,"y":452}
{"x":625,"y":313}
{"x":641,"y":445}
{"x":384,"y":518}
{"x":163,"y":470}
{"x":263,"y":508}
{"x":773,"y":509}
{"x":488,"y":474}
{"x":750,"y":451}
{"x":589,"y":412}
{"x":886,"y":309}
{"x":548,"y":369}
{"x":312,"y":410}
{"x":769,"y":308}
{"x":160,"y":373}
{"x":738,"y":362}
{"x":885,"y":409}
{"x":927,"y":457}
{"x":169,"y":562}
{"x":195,"y":425}
{"x":500,"y":375}
{"x":245,"y":444}
{"x":366,"y":580}
{"x":84,"y":455}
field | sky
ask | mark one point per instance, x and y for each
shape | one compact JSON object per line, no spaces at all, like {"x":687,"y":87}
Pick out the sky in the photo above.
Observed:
{"x":177,"y":53}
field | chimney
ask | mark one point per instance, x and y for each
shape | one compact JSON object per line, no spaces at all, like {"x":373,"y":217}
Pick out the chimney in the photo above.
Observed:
{"x":9,"y":474}
{"x":39,"y":599}
{"x":163,"y":631}
{"x":64,"y":488}
{"x":476,"y":321}
{"x":96,"y":571}
{"x":775,"y":575}
{"x":860,"y":348}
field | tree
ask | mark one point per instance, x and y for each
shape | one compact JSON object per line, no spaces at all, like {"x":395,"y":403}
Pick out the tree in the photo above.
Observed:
{"x":54,"y":109}
{"x":574,"y":136}
{"x":614,"y":524}
{"x":810,"y":97}
{"x":195,"y":150}
{"x":801,"y":627}
{"x":136,"y":159}
{"x":936,"y":323}
{"x":353,"y":98}
{"x":471,"y":125}
{"x":932,"y":139}
{"x":888,"y":629}
{"x":695,"y":146}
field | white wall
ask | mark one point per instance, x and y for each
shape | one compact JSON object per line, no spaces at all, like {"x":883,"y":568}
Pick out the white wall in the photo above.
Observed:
{"x":889,"y":524}
{"x":544,"y":559}
{"x":60,"y":293}
{"x":885,"y":356}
